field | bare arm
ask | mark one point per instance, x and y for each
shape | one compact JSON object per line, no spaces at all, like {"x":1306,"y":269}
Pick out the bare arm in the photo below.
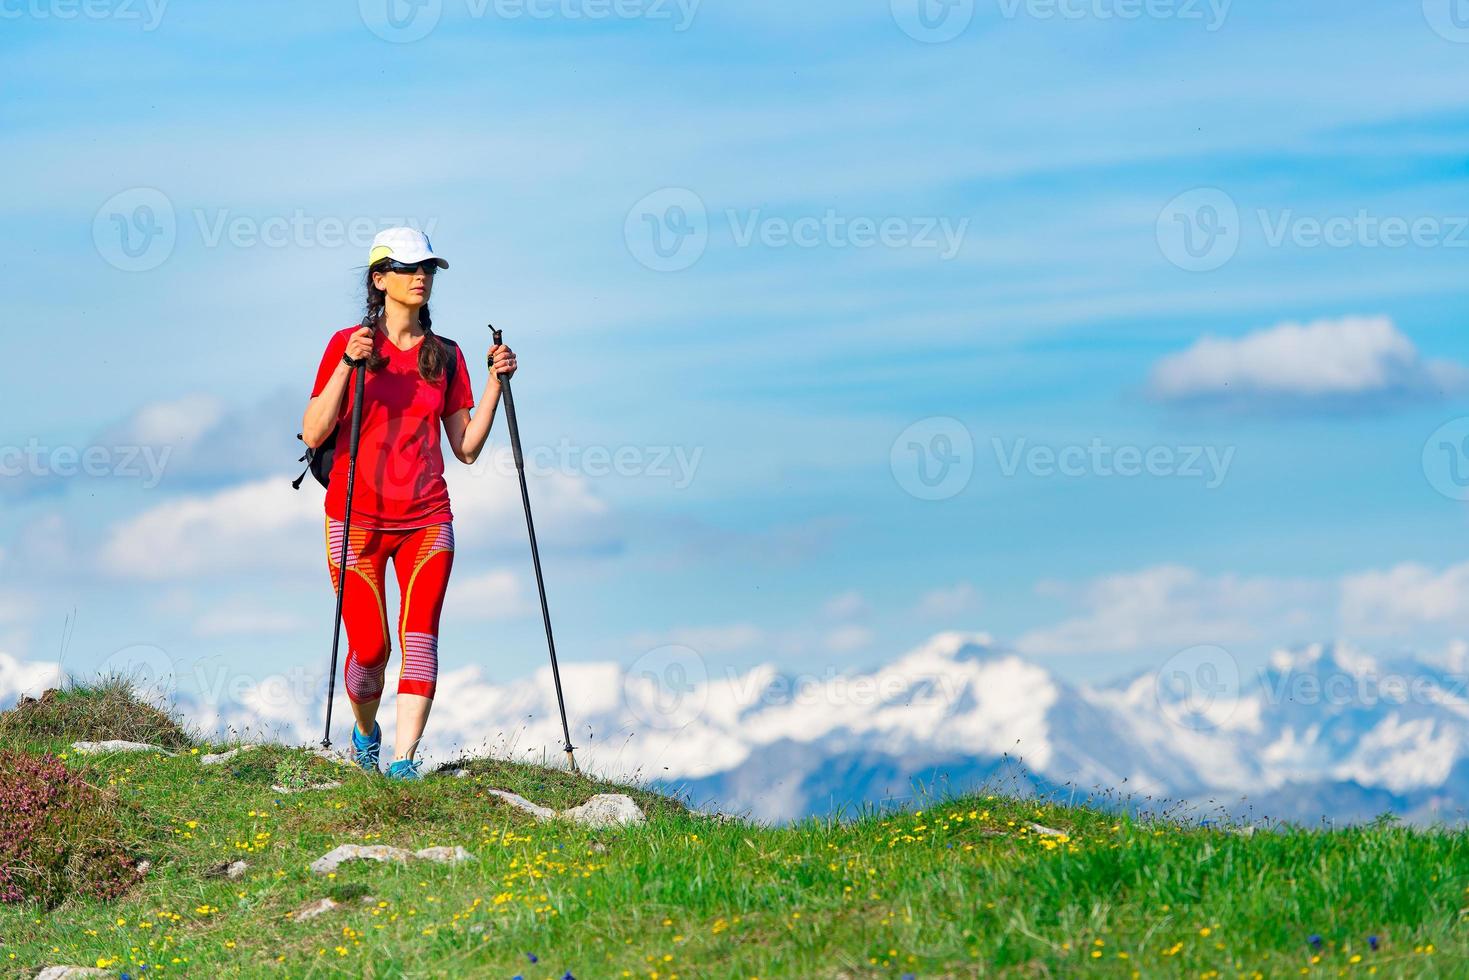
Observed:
{"x":322,"y":410}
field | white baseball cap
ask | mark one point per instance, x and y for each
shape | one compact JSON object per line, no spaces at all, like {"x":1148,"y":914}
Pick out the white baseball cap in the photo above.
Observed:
{"x":407,"y":245}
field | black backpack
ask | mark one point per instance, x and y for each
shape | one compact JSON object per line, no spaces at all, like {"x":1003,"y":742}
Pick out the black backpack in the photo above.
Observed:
{"x":319,"y":460}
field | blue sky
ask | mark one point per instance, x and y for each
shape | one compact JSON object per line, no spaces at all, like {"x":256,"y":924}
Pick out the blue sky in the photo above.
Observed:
{"x":1064,"y":156}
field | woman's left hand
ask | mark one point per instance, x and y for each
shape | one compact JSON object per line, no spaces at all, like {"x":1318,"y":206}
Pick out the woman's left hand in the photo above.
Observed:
{"x":503,"y":359}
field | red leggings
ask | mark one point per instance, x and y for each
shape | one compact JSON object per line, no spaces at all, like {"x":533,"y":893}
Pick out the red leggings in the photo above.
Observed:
{"x":422,"y":559}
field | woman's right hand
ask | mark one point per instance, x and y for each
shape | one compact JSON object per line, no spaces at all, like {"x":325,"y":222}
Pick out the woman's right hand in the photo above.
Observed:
{"x":359,"y":345}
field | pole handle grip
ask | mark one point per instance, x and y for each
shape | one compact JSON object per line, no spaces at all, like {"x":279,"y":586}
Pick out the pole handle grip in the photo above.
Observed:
{"x":499,"y":339}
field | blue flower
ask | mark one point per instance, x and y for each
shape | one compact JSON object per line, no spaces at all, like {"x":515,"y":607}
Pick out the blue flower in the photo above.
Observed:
{"x":1372,"y":943}
{"x":568,"y":976}
{"x":532,"y":957}
{"x":1314,"y":940}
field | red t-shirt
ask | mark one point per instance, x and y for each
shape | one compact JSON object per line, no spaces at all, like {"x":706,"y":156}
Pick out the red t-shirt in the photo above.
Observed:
{"x":400,"y":466}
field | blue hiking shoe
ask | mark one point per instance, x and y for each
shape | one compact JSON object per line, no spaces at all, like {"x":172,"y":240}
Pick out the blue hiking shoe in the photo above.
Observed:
{"x":365,"y":748}
{"x":405,"y":769}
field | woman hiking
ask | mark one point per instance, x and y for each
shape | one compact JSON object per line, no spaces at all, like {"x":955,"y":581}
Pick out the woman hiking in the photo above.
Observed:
{"x":417,"y":382}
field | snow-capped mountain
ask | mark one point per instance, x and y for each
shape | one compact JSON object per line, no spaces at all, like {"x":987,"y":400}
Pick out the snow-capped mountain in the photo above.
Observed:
{"x":1324,"y":731}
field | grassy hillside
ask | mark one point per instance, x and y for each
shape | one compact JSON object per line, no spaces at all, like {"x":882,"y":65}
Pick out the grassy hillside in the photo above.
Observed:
{"x":972,"y":886}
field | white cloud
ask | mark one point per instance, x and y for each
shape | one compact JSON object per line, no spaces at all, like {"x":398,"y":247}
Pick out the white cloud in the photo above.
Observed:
{"x":243,"y":616}
{"x":1351,"y":358}
{"x":1170,"y":606}
{"x":955,"y":600}
{"x":845,"y":639}
{"x":1404,"y":597}
{"x":492,"y":595}
{"x":179,"y":422}
{"x":31,"y":677}
{"x":704,"y":639}
{"x":847,"y":605}
{"x":263,"y":524}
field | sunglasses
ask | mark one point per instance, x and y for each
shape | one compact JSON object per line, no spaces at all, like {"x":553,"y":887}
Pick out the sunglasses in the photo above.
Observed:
{"x":428,"y":266}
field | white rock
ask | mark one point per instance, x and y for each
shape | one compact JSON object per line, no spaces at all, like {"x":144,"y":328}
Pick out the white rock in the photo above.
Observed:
{"x":70,"y":972}
{"x":236,"y":870}
{"x":217,"y":758}
{"x":520,"y":802}
{"x":333,"y":859}
{"x":607,"y":810}
{"x":338,"y":756}
{"x":1047,"y":831}
{"x":318,"y":907}
{"x":144,"y":866}
{"x":443,"y":855}
{"x":113,"y":745}
{"x":305,"y":789}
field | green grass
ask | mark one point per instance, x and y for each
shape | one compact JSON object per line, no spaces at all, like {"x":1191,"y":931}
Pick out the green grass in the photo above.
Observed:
{"x":963,"y":888}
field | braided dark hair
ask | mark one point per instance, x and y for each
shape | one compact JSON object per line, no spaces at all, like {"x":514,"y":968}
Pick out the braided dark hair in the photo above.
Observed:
{"x":433,"y":353}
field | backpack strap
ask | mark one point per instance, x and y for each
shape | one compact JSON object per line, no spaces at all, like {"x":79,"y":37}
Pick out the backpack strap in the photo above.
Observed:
{"x":452,"y":370}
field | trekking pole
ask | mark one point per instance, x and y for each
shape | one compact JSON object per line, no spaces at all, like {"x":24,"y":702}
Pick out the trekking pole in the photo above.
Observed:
{"x":360,"y":372}
{"x":534,"y":551}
